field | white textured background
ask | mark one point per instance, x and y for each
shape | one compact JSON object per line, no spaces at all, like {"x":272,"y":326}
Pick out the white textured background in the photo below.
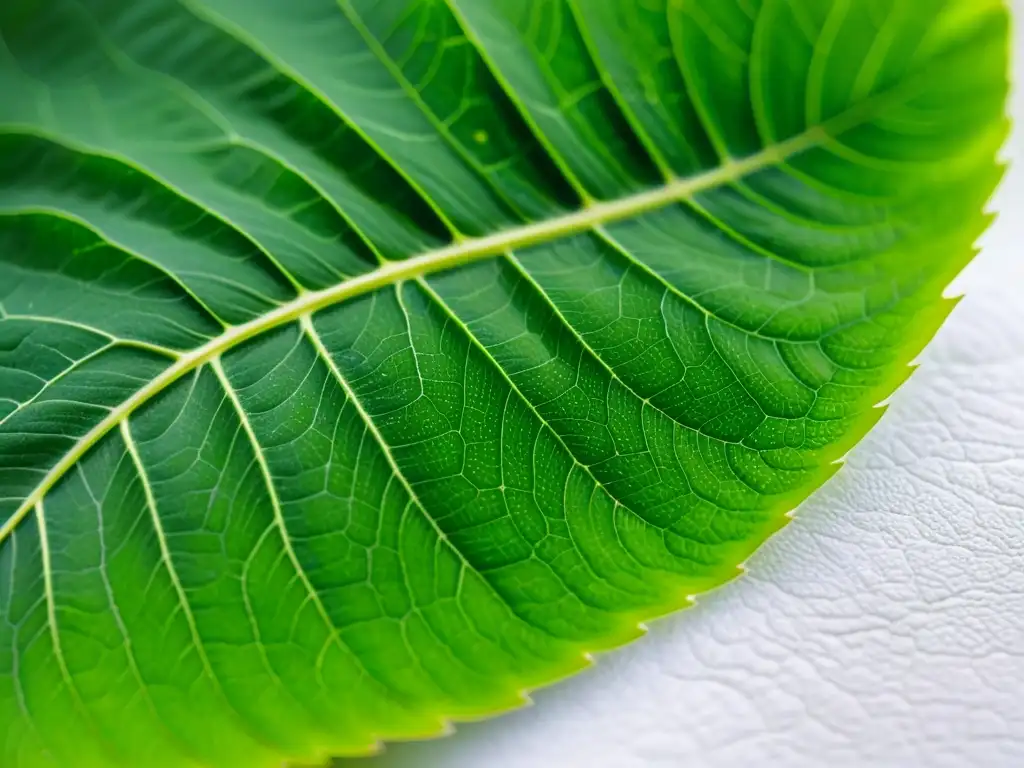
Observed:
{"x":883,"y":627}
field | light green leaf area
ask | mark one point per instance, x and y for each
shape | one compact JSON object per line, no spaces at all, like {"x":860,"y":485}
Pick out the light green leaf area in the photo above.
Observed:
{"x":367,"y":363}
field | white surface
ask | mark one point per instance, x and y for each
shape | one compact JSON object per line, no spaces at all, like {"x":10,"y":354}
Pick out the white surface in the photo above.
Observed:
{"x":883,"y":627}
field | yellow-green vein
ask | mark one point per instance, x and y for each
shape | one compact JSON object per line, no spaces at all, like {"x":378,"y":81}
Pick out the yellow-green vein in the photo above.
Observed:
{"x":448,"y":257}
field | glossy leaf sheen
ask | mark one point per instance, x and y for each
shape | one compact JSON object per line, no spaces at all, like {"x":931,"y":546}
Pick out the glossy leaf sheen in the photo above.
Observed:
{"x":366,"y":363}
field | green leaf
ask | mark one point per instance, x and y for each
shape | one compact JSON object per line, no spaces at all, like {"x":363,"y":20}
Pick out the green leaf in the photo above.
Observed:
{"x":367,"y":363}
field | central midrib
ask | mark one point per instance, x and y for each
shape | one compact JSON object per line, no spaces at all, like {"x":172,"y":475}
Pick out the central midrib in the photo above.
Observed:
{"x":449,"y":257}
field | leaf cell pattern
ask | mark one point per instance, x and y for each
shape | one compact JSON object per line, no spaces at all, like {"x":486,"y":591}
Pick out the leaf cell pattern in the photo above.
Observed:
{"x":366,"y":363}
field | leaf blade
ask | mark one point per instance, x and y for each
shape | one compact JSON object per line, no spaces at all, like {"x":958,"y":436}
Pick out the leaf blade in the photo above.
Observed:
{"x":460,"y":427}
